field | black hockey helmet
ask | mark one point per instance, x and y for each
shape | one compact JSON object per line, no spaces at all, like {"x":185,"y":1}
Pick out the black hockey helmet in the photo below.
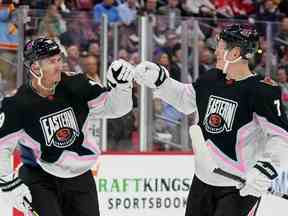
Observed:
{"x":40,"y":48}
{"x":243,"y":36}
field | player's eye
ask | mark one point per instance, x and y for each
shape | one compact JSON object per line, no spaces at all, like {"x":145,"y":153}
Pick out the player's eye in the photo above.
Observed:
{"x":56,"y":60}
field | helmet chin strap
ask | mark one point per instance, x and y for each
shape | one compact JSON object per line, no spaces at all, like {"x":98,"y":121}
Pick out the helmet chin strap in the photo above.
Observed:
{"x":39,"y":81}
{"x":227,"y":62}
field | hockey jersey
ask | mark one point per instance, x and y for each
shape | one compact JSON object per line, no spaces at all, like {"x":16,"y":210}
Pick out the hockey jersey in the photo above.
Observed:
{"x":52,"y":131}
{"x":242,"y":122}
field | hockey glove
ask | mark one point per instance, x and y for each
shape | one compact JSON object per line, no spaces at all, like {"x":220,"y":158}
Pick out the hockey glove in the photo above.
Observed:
{"x":150,"y":74}
{"x":14,"y":191}
{"x":259,"y":179}
{"x":120,"y":74}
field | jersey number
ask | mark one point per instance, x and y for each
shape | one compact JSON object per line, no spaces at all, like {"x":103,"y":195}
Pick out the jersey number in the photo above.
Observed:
{"x":277,"y":103}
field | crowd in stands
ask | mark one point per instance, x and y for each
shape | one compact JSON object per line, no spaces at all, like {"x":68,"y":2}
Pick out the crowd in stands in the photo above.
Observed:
{"x":76,"y":24}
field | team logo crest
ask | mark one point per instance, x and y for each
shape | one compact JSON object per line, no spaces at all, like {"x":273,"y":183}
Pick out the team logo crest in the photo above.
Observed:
{"x":60,"y":129}
{"x":220,"y":114}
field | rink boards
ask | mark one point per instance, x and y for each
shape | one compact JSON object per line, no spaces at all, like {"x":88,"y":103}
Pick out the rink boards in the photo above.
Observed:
{"x":153,"y":185}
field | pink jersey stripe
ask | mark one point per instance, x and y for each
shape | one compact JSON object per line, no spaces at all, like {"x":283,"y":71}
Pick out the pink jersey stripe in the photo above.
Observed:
{"x":99,"y":101}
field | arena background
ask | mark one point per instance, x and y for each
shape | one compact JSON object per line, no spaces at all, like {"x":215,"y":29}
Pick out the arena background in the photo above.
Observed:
{"x":147,"y":162}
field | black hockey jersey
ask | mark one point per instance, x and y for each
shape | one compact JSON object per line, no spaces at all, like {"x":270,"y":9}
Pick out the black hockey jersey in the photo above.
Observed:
{"x":242,"y":121}
{"x":53,"y":131}
{"x":225,"y":107}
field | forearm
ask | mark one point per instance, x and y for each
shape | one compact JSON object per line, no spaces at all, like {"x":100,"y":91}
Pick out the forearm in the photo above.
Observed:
{"x":181,"y":96}
{"x":115,"y":103}
{"x":276,"y":151}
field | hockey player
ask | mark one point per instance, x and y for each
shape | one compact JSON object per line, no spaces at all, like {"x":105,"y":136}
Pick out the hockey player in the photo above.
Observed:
{"x":48,"y":117}
{"x":242,"y":120}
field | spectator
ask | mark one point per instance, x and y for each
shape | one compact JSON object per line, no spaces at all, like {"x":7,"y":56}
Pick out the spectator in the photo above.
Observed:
{"x":211,"y":42}
{"x":176,"y":63}
{"x":172,"y":11}
{"x":8,"y":29}
{"x":86,"y":5}
{"x":150,"y":7}
{"x":123,"y":54}
{"x":268,"y":11}
{"x":79,"y":31}
{"x":94,"y":48}
{"x":162,"y":58}
{"x":284,"y":59}
{"x":282,"y":39}
{"x":127,"y":11}
{"x":36,"y":4}
{"x":90,"y":67}
{"x":159,"y":33}
{"x":260,"y":68}
{"x":234,"y":8}
{"x":73,"y":58}
{"x":132,"y":43}
{"x":72,"y":35}
{"x":61,"y":6}
{"x":87,"y":33}
{"x":200,"y":30}
{"x":172,"y":41}
{"x":128,"y":38}
{"x":206,"y":60}
{"x":52,"y":24}
{"x":195,"y":5}
{"x":134,"y":58}
{"x":282,"y":80}
{"x":149,"y":10}
{"x":120,"y":133}
{"x":106,"y":7}
{"x":283,"y":7}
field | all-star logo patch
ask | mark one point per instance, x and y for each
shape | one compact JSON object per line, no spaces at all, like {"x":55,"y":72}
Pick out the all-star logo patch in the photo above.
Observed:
{"x":60,"y":129}
{"x":219,"y":115}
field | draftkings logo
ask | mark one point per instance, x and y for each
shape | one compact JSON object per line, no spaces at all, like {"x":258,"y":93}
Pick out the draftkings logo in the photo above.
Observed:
{"x":220,"y":114}
{"x":60,"y":129}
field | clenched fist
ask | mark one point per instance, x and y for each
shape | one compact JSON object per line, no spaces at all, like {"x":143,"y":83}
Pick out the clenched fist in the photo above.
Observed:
{"x":150,"y":74}
{"x":120,"y":73}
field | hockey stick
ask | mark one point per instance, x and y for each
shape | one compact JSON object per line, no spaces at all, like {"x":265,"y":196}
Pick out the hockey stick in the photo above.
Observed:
{"x":30,"y":208}
{"x":200,"y":148}
{"x":25,"y":200}
{"x":222,"y":172}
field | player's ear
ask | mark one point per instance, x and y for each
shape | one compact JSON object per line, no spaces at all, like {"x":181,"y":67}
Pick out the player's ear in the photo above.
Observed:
{"x":35,"y":68}
{"x":236,"y":52}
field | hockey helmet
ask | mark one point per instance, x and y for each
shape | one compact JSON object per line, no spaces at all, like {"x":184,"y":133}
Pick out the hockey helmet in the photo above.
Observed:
{"x":40,"y":48}
{"x":243,"y":36}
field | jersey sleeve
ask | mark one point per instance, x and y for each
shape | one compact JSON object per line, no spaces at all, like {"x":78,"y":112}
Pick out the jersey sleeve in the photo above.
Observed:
{"x":180,"y":95}
{"x":270,"y":116}
{"x":102,"y":102}
{"x":10,"y":132}
{"x":267,"y":104}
